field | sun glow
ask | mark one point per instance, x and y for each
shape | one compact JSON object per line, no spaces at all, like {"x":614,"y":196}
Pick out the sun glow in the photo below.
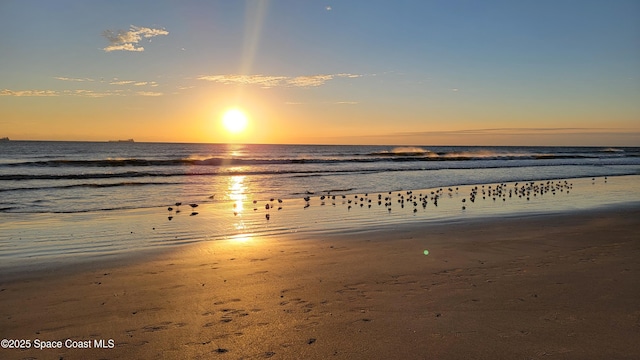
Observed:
{"x":235,"y":121}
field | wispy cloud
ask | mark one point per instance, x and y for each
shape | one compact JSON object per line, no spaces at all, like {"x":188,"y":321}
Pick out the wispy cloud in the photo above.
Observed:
{"x":122,"y":40}
{"x":78,"y":93}
{"x":145,"y":83}
{"x":331,"y":103}
{"x":93,"y":94}
{"x":269,"y":81}
{"x":133,"y":82}
{"x":309,"y":81}
{"x":121,"y":82}
{"x":262,"y":80}
{"x":148,"y":93}
{"x":515,"y":131}
{"x":7,"y":92}
{"x":72,"y":79}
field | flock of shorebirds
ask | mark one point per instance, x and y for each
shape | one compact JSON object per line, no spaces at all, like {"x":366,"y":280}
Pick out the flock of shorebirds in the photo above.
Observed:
{"x":177,"y":209}
{"x":495,"y":192}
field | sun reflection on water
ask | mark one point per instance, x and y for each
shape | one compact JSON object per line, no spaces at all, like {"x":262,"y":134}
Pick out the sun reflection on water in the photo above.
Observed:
{"x":237,"y":192}
{"x":241,"y":238}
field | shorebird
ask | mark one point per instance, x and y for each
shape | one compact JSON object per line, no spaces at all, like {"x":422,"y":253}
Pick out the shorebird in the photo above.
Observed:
{"x":193,"y":205}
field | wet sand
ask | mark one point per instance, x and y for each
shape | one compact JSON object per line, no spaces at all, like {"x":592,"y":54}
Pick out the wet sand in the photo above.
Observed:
{"x":561,"y":286}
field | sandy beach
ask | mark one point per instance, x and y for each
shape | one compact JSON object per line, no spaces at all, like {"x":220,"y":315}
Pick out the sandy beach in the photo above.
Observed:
{"x":562,"y":286}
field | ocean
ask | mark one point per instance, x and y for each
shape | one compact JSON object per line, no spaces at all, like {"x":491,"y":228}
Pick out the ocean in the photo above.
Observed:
{"x":70,"y":199}
{"x":72,"y":177}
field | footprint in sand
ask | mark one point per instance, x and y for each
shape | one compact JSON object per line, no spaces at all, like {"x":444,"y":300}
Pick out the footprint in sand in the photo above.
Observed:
{"x":158,"y":327}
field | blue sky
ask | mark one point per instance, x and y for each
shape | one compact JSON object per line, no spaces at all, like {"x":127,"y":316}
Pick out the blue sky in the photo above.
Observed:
{"x":401,"y":72}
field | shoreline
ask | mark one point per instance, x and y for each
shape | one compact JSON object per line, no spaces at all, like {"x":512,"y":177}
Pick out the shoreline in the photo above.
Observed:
{"x":523,"y":287}
{"x":72,"y":239}
{"x":62,"y":267}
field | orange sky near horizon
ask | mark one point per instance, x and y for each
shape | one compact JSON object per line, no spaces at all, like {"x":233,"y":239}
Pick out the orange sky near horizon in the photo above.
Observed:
{"x":198,"y":120}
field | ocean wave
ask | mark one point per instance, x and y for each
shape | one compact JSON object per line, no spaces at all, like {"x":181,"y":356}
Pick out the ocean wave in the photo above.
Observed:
{"x":403,"y":151}
{"x":406,"y":164}
{"x":136,"y":174}
{"x":397,"y":155}
{"x":213,"y":161}
{"x":89,"y":185}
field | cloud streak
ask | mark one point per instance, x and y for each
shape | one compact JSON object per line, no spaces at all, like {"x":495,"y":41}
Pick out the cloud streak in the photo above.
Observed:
{"x":78,"y":93}
{"x":116,"y":81}
{"x":329,"y":103}
{"x":122,"y":40}
{"x":7,"y":92}
{"x":510,"y":131}
{"x":148,"y":93}
{"x":269,"y":81}
{"x":72,"y":79}
{"x":122,"y":82}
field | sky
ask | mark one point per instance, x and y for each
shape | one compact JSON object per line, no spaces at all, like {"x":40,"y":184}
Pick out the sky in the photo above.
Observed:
{"x":447,"y":72}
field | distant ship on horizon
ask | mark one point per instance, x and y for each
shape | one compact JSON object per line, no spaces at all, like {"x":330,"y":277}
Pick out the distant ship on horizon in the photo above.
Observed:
{"x":127,"y":140}
{"x":4,"y":139}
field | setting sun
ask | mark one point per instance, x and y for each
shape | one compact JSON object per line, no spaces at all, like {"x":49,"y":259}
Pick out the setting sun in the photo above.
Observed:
{"x":234,"y":121}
